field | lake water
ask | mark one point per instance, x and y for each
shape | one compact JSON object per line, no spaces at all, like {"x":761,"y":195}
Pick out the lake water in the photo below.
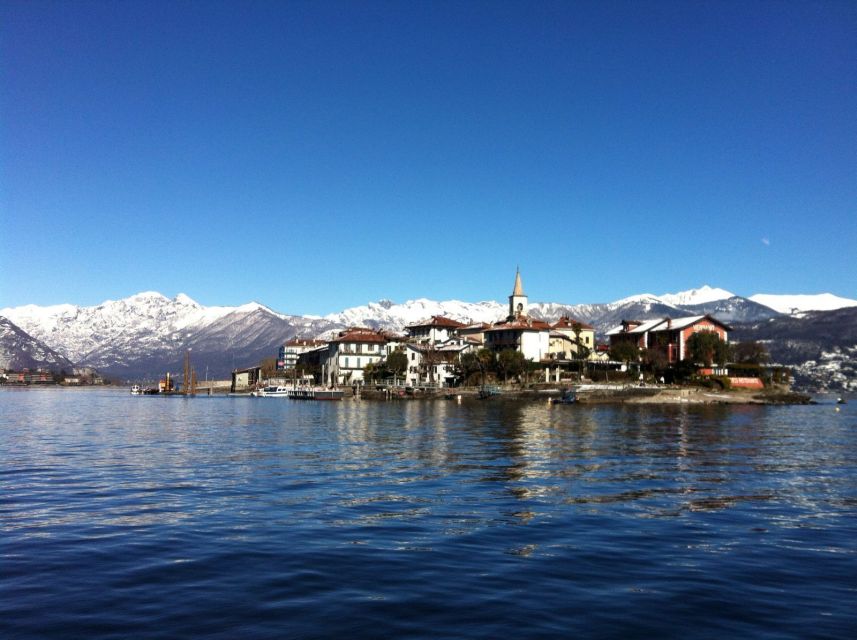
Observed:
{"x":148,"y":517}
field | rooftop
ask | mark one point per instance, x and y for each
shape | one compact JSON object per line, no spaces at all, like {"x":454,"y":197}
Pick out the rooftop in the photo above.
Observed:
{"x":520,"y":324}
{"x":567,"y":322}
{"x":360,"y":334}
{"x":437,"y":321}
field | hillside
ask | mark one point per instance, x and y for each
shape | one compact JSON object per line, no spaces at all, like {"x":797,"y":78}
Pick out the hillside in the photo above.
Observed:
{"x":820,"y":345}
{"x":19,"y":350}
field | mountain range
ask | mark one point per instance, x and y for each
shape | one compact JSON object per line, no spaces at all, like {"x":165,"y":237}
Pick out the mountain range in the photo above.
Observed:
{"x":143,"y":336}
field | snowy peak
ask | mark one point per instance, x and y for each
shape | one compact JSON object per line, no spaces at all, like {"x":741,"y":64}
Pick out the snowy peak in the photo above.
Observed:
{"x":799,"y":303}
{"x":696,"y":296}
{"x":640,"y":298}
{"x":387,"y":314}
{"x":690,"y":297}
{"x":186,"y":300}
{"x":146,"y":318}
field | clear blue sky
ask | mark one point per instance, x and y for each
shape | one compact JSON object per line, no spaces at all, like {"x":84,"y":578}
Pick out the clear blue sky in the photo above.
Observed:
{"x":318,"y":155}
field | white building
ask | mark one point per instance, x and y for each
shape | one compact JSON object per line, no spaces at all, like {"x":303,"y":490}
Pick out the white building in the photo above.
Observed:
{"x":435,"y":329}
{"x":520,"y":332}
{"x":350,"y":352}
{"x":290,"y":352}
{"x":435,"y":364}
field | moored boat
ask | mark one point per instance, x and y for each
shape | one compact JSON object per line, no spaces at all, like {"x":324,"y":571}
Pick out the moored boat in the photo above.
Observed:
{"x":488,"y":391}
{"x":567,"y":397}
{"x":272,"y":391}
{"x":315,"y":393}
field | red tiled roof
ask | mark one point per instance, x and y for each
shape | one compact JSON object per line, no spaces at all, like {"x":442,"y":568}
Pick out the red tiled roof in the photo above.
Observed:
{"x":567,"y":322}
{"x":360,"y":334}
{"x":437,"y":321}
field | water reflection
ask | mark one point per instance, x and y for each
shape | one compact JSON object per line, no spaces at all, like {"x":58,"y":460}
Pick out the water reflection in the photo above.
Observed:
{"x":492,"y":507}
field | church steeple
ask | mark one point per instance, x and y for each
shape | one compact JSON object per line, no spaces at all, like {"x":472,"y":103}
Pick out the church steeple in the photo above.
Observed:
{"x":519,"y":288}
{"x":518,"y":299}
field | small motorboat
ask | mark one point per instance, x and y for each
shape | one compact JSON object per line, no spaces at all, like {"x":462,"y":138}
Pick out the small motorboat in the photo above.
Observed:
{"x":567,"y":397}
{"x":488,"y":392}
{"x":136,"y":390}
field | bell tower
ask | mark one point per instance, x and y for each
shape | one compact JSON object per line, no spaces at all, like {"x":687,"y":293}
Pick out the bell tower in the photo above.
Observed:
{"x":518,"y":299}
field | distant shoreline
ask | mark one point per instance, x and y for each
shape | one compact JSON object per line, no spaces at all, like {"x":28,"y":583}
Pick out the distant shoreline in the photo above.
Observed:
{"x":615,"y":394}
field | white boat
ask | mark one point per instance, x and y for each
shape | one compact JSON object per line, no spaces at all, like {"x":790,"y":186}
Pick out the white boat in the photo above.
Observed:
{"x":272,"y":392}
{"x":136,"y":390}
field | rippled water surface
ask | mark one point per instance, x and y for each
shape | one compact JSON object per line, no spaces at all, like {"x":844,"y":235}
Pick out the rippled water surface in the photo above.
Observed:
{"x":147,"y":517}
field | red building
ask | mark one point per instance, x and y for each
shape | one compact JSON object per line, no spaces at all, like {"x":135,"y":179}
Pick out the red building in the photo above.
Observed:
{"x":667,"y":335}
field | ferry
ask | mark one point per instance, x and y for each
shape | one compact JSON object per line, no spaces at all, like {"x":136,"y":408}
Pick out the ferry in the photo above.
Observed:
{"x":298,"y":393}
{"x":315,"y":393}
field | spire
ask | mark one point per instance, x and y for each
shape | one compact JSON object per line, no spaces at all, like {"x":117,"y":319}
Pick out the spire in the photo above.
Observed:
{"x":519,"y":288}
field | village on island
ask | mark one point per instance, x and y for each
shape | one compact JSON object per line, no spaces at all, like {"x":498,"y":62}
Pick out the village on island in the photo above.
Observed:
{"x":687,"y":359}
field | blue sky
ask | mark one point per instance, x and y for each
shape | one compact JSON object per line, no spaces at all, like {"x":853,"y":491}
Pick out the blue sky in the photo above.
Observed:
{"x":318,"y":155}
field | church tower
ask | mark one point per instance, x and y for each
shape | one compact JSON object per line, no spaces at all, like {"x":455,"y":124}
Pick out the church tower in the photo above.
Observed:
{"x":518,"y":300}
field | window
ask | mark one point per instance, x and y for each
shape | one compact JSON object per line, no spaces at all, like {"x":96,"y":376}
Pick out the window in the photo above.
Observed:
{"x":346,"y":361}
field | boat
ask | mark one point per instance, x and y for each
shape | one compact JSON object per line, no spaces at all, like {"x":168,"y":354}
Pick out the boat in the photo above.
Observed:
{"x":136,"y":390}
{"x":841,"y":401}
{"x":272,"y":391}
{"x":488,"y":392}
{"x":567,"y":397}
{"x":298,"y":393}
{"x":315,"y":393}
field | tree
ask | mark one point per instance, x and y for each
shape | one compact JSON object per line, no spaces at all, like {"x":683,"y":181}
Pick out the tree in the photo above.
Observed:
{"x":750,"y":352}
{"x":581,"y":352}
{"x":655,"y":359}
{"x":488,"y":359}
{"x":371,"y":371}
{"x":269,"y":368}
{"x":397,"y":362}
{"x":468,"y":364}
{"x":481,"y":362}
{"x":707,"y":347}
{"x":511,"y":362}
{"x":624,"y":351}
{"x":430,"y":358}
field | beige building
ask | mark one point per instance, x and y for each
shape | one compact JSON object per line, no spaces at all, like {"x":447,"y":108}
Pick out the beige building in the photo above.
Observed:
{"x":568,"y":335}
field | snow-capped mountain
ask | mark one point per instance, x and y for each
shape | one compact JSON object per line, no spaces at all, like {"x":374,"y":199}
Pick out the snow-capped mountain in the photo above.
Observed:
{"x":147,"y":334}
{"x":19,"y":350}
{"x":798,"y":303}
{"x":395,"y":317}
{"x":703,"y":295}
